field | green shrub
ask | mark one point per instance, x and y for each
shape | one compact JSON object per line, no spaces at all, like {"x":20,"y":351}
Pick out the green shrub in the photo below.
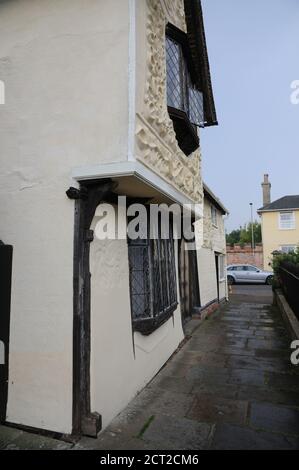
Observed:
{"x":279,"y":259}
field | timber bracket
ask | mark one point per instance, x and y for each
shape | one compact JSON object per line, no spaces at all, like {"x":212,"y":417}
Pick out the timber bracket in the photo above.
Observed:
{"x":91,"y":425}
{"x":87,"y":198}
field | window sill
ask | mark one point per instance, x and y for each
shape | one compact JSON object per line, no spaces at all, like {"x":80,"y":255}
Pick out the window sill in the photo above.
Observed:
{"x":146,"y":326}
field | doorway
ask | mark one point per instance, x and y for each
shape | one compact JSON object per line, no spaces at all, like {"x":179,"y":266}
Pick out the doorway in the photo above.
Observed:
{"x":217,"y":275}
{"x":188,"y":282}
{"x":5,"y":296}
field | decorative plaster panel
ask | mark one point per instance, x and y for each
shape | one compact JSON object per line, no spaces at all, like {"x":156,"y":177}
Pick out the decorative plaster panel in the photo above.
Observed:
{"x":175,"y":13}
{"x":213,"y":237}
{"x":156,"y":142}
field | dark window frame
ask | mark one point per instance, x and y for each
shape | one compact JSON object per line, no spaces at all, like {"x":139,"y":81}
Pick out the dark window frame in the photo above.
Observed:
{"x":158,"y":303}
{"x":186,"y":132}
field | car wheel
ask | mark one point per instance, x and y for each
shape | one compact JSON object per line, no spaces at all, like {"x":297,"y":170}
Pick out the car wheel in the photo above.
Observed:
{"x":230,"y":280}
{"x":269,"y":280}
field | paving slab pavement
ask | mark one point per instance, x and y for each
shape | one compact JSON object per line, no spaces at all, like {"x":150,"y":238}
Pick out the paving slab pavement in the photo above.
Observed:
{"x":231,"y":386}
{"x":16,"y":439}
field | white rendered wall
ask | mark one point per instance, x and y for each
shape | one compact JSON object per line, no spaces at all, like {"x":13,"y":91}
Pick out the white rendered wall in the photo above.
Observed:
{"x":210,"y":240}
{"x":208,"y":278}
{"x":65,"y":68}
{"x":207,"y":275}
{"x":116,"y":374}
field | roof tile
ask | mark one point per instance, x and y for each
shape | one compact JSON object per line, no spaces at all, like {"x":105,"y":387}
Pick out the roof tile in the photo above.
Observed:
{"x":286,"y":202}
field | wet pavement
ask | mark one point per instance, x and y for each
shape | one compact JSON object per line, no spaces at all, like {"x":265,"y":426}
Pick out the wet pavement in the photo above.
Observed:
{"x":231,"y":386}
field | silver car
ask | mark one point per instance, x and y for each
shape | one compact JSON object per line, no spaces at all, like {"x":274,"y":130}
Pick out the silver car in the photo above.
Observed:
{"x":246,"y":273}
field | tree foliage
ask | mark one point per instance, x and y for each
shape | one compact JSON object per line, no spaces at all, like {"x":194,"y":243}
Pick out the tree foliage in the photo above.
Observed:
{"x":285,"y":260}
{"x":279,"y":258}
{"x":243,"y":234}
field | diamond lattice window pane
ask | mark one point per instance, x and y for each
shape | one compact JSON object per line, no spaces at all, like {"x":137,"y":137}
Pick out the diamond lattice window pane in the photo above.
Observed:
{"x":173,"y":64}
{"x":153,"y":284}
{"x":140,"y":283}
{"x":156,"y":278}
{"x":196,"y":111}
{"x":172,"y":275}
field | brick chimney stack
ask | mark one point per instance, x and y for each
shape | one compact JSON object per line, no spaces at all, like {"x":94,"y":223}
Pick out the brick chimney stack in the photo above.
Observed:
{"x":266,"y":185}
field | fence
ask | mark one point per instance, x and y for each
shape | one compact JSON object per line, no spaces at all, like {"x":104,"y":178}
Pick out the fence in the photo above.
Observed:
{"x":289,"y":278}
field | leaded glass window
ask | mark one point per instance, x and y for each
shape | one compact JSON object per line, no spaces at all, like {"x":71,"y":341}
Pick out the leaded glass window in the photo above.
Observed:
{"x":181,"y":93}
{"x":196,"y":112}
{"x":139,"y":278}
{"x":153,"y":284}
{"x":174,"y":72}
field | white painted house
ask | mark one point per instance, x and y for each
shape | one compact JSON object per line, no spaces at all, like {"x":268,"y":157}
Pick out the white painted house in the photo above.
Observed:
{"x":102,"y":98}
{"x":211,"y":255}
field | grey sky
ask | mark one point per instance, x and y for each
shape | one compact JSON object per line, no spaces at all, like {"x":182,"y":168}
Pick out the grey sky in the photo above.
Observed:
{"x":254,"y":56}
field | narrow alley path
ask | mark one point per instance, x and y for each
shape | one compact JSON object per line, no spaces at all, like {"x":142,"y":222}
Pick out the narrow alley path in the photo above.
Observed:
{"x":231,"y":386}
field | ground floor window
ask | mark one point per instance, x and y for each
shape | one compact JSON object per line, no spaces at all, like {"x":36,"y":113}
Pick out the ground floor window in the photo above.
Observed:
{"x":153,"y":286}
{"x":288,"y":248}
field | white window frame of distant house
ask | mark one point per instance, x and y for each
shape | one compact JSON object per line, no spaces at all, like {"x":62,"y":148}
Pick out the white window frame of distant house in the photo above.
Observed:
{"x":287,"y":248}
{"x":221,"y":268}
{"x":214,"y":215}
{"x":287,"y":225}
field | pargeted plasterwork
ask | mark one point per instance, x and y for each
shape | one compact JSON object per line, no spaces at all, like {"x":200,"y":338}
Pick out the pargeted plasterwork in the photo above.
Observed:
{"x":175,"y":13}
{"x":213,"y":237}
{"x":155,"y":137}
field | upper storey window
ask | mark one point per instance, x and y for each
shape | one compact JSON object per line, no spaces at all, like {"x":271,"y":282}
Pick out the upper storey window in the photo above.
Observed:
{"x":184,"y":99}
{"x":181,"y":94}
{"x":287,"y":220}
{"x":175,"y":73}
{"x":214,"y":215}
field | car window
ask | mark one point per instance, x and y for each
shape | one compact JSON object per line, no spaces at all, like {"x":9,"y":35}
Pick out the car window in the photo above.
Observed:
{"x":251,"y":268}
{"x":239,"y":268}
{"x":230,"y":269}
